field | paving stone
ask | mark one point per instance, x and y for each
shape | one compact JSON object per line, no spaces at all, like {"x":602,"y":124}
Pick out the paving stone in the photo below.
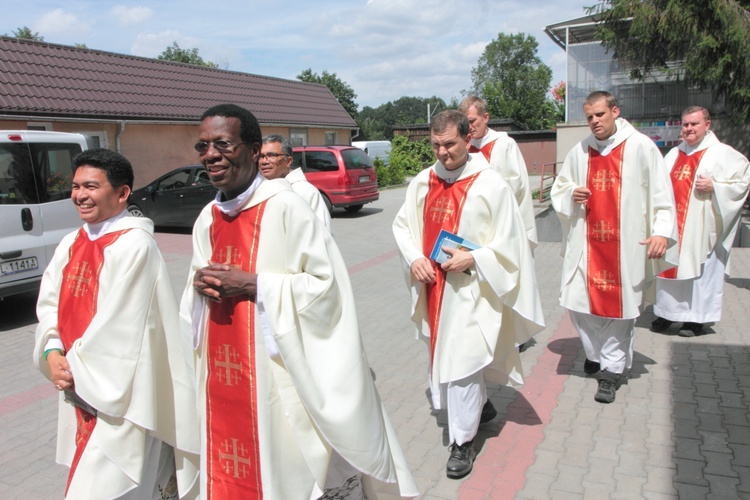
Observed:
{"x":690,"y":471}
{"x":719,"y":464}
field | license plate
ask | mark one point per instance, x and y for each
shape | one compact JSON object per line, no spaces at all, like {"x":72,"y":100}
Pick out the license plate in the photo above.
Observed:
{"x":364,"y":178}
{"x":18,"y":266}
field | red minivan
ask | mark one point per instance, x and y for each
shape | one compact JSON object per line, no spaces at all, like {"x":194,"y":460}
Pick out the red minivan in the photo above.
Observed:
{"x":344,"y":175}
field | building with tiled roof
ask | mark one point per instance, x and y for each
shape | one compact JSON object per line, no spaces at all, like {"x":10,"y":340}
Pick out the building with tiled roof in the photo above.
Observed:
{"x":149,"y":109}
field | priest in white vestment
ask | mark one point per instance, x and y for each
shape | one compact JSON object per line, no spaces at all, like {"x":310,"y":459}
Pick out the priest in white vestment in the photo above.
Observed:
{"x":288,"y":406}
{"x":276,"y":163}
{"x":473,"y":309}
{"x":503,"y":155}
{"x":613,"y":200}
{"x":109,"y":336}
{"x":710,"y":181}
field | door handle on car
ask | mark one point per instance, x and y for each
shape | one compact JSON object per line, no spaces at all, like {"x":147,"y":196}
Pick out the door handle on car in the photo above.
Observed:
{"x":10,"y":255}
{"x":27,"y":221}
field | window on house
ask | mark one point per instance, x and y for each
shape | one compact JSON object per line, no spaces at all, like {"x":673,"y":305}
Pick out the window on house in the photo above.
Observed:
{"x":298,"y":136}
{"x":331,"y":138}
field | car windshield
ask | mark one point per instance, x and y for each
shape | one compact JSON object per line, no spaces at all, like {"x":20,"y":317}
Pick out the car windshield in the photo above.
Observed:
{"x":356,"y":159}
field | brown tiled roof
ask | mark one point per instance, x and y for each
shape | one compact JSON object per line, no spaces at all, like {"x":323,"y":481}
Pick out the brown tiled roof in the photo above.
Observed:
{"x":44,"y":79}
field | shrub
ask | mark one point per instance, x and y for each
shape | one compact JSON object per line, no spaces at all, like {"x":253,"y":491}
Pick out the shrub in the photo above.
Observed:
{"x":388,"y":175}
{"x":411,"y":156}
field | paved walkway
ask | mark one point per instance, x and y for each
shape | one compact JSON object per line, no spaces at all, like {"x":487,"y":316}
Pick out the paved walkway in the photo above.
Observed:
{"x":678,"y":429}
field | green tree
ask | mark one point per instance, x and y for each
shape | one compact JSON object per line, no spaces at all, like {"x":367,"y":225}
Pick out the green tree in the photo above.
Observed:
{"x":343,"y":93}
{"x":514,"y":81}
{"x":26,"y":33}
{"x":188,"y":56}
{"x":709,"y":38}
{"x":377,"y":123}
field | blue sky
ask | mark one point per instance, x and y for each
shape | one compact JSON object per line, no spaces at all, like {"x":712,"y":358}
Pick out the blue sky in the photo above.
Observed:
{"x":384,"y":49}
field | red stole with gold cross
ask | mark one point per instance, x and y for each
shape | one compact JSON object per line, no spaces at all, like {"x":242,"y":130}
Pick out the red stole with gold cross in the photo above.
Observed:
{"x":682,"y":176}
{"x":76,"y":309}
{"x":442,"y":210}
{"x":233,"y":460}
{"x":486,"y":150}
{"x":603,"y":232}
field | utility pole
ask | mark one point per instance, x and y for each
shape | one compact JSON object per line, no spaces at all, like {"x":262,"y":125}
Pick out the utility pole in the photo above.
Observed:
{"x":429,"y":115}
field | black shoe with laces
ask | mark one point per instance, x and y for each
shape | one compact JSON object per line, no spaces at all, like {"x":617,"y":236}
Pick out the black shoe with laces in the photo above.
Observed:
{"x":660,"y":325}
{"x":689,"y":329}
{"x":461,"y":460}
{"x":488,"y":412}
{"x":591,"y":367}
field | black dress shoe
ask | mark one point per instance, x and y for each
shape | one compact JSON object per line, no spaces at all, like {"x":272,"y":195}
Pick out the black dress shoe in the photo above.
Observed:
{"x":689,"y":329}
{"x":660,"y":325}
{"x":591,"y":367}
{"x":488,"y":412}
{"x":461,"y":460}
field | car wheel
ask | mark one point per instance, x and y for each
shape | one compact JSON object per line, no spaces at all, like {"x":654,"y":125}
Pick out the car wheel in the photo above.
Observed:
{"x":353,"y":208}
{"x":135,"y":211}
{"x":328,"y":203}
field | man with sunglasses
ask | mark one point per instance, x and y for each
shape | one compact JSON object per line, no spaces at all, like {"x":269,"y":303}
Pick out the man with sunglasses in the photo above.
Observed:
{"x":287,"y":403}
{"x":276,"y":163}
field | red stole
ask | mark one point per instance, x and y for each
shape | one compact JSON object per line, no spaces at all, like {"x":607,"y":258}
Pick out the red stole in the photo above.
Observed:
{"x":233,"y":461}
{"x":603,"y":232}
{"x":76,"y":309}
{"x":682,"y":175}
{"x":442,"y":210}
{"x":486,"y":150}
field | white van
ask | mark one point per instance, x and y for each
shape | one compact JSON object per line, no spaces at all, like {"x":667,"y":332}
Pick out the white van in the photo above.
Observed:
{"x":375,"y":149}
{"x":35,"y":208}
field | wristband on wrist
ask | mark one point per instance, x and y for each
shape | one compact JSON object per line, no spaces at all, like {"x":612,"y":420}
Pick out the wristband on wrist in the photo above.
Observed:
{"x":46,"y":353}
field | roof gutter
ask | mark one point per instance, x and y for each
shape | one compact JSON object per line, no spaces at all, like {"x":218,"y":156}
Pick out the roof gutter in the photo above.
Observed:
{"x":158,"y":122}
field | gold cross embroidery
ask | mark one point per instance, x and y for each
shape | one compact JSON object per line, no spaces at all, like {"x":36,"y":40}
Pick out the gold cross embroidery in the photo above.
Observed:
{"x":236,"y":463}
{"x":603,"y":231}
{"x":442,"y":210}
{"x":603,"y":180}
{"x":604,"y":281}
{"x":683,"y":172}
{"x":226,"y":363}
{"x":79,"y":280}
{"x":230,"y":255}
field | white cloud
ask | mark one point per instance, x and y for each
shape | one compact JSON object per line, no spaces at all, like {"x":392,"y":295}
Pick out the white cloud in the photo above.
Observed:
{"x":58,"y":22}
{"x":131,"y":15}
{"x":153,"y":44}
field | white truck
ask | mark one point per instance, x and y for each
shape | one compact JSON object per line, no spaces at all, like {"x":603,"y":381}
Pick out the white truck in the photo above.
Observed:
{"x":35,"y":207}
{"x":375,"y":149}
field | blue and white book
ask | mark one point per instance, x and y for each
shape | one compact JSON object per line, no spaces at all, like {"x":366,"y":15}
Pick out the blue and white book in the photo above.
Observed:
{"x":446,"y":239}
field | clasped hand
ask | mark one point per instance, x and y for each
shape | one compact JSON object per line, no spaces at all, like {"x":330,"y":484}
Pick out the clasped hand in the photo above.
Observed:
{"x":459,"y":261}
{"x":217,"y":281}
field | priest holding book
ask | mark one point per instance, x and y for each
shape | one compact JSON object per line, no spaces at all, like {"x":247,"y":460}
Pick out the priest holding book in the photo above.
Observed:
{"x":473,"y":308}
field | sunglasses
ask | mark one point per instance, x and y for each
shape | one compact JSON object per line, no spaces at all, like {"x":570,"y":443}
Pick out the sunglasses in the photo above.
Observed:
{"x":220,"y":146}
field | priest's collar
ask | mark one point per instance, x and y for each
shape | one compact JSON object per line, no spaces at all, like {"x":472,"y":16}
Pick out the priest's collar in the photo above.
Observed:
{"x":234,"y":206}
{"x":99,"y":229}
{"x":605,"y":145}
{"x":701,"y":145}
{"x":450,"y":176}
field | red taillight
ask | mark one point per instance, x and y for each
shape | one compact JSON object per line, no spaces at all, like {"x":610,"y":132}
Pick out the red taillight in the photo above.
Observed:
{"x":344,"y":180}
{"x":14,"y":137}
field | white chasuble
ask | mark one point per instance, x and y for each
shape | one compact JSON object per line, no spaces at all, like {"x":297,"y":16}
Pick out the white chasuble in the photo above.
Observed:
{"x":312,"y":390}
{"x":483,"y":313}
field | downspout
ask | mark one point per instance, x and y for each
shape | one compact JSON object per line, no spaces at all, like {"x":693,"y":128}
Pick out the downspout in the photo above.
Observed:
{"x":356,"y":134}
{"x":118,"y":146}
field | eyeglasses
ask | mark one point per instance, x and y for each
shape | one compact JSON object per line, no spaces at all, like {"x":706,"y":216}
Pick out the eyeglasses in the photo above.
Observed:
{"x":271,"y":156}
{"x":220,"y":146}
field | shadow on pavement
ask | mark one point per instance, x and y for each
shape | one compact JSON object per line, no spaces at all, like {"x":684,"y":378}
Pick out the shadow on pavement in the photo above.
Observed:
{"x":17,"y":311}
